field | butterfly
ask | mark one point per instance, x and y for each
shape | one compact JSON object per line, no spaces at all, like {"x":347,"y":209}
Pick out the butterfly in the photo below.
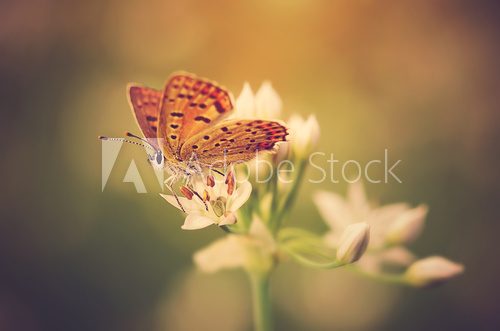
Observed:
{"x":188,"y":120}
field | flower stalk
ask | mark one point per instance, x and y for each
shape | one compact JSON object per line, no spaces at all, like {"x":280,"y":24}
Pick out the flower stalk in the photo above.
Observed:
{"x":261,"y":303}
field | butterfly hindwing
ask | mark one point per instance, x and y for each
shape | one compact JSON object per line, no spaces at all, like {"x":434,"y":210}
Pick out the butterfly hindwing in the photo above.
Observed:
{"x":233,"y":141}
{"x":145,"y":103}
{"x":189,"y":105}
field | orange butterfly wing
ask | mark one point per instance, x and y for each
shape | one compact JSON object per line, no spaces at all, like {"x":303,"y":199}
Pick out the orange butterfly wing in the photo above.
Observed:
{"x":189,"y":105}
{"x":145,"y":102}
{"x":233,"y":141}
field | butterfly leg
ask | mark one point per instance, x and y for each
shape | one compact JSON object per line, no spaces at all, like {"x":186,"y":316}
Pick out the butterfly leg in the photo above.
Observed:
{"x":169,"y":184}
{"x":202,"y":200}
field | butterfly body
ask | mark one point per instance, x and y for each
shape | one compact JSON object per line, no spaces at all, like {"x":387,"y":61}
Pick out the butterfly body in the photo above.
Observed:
{"x":187,"y":125}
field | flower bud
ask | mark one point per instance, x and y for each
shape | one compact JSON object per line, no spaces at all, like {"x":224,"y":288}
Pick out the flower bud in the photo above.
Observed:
{"x":353,"y":243}
{"x":267,"y":102}
{"x":432,"y":271}
{"x":282,"y":153}
{"x":304,"y":134}
{"x":245,"y":103}
{"x":407,"y":227}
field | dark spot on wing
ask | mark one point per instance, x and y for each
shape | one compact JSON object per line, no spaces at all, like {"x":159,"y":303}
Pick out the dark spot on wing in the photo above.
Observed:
{"x":219,"y":107}
{"x":202,"y":118}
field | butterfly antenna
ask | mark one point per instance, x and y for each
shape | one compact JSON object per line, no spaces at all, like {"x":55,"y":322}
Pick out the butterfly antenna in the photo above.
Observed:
{"x":127,"y":141}
{"x":131,"y":135}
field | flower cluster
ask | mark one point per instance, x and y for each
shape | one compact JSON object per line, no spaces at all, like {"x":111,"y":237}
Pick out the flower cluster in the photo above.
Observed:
{"x":392,"y":227}
{"x":369,"y":238}
{"x":253,"y":213}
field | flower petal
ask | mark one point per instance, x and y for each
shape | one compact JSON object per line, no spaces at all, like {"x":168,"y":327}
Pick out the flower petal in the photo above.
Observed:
{"x":333,"y":210}
{"x":228,"y":220}
{"x":196,"y":221}
{"x":260,"y":231}
{"x":375,"y":261}
{"x":245,"y":103}
{"x":267,"y":102}
{"x":220,"y":188}
{"x":356,"y":197}
{"x":397,"y":256}
{"x":381,"y":219}
{"x":408,"y":226}
{"x":432,"y":270}
{"x":198,"y":182}
{"x":313,"y":129}
{"x":239,"y":196}
{"x":228,"y":252}
{"x":188,"y":205}
{"x":304,"y":134}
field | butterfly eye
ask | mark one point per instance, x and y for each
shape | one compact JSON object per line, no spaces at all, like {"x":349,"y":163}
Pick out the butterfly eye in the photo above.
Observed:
{"x":159,"y":157}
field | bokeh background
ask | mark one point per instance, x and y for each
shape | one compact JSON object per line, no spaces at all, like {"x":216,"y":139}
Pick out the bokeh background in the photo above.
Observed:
{"x":420,"y":78}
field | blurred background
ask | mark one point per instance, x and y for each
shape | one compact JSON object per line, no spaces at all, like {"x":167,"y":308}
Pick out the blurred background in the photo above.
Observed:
{"x":420,"y":78}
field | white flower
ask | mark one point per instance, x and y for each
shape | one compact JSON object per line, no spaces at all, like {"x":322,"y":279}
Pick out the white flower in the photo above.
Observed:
{"x":397,"y":256}
{"x":432,"y":270}
{"x":353,"y":243}
{"x":304,"y":134}
{"x":252,"y":252}
{"x":226,"y":253}
{"x":339,"y":213}
{"x":265,"y":104}
{"x":391,"y":226}
{"x":407,"y":227}
{"x":221,"y":201}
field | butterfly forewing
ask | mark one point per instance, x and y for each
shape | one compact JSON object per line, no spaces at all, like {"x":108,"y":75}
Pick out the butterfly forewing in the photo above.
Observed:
{"x":233,"y":141}
{"x":189,"y":105}
{"x":145,"y":103}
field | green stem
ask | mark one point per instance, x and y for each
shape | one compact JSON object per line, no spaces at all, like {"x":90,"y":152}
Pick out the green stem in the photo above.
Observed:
{"x":382,"y":277}
{"x":261,"y":301}
{"x":289,"y":199}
